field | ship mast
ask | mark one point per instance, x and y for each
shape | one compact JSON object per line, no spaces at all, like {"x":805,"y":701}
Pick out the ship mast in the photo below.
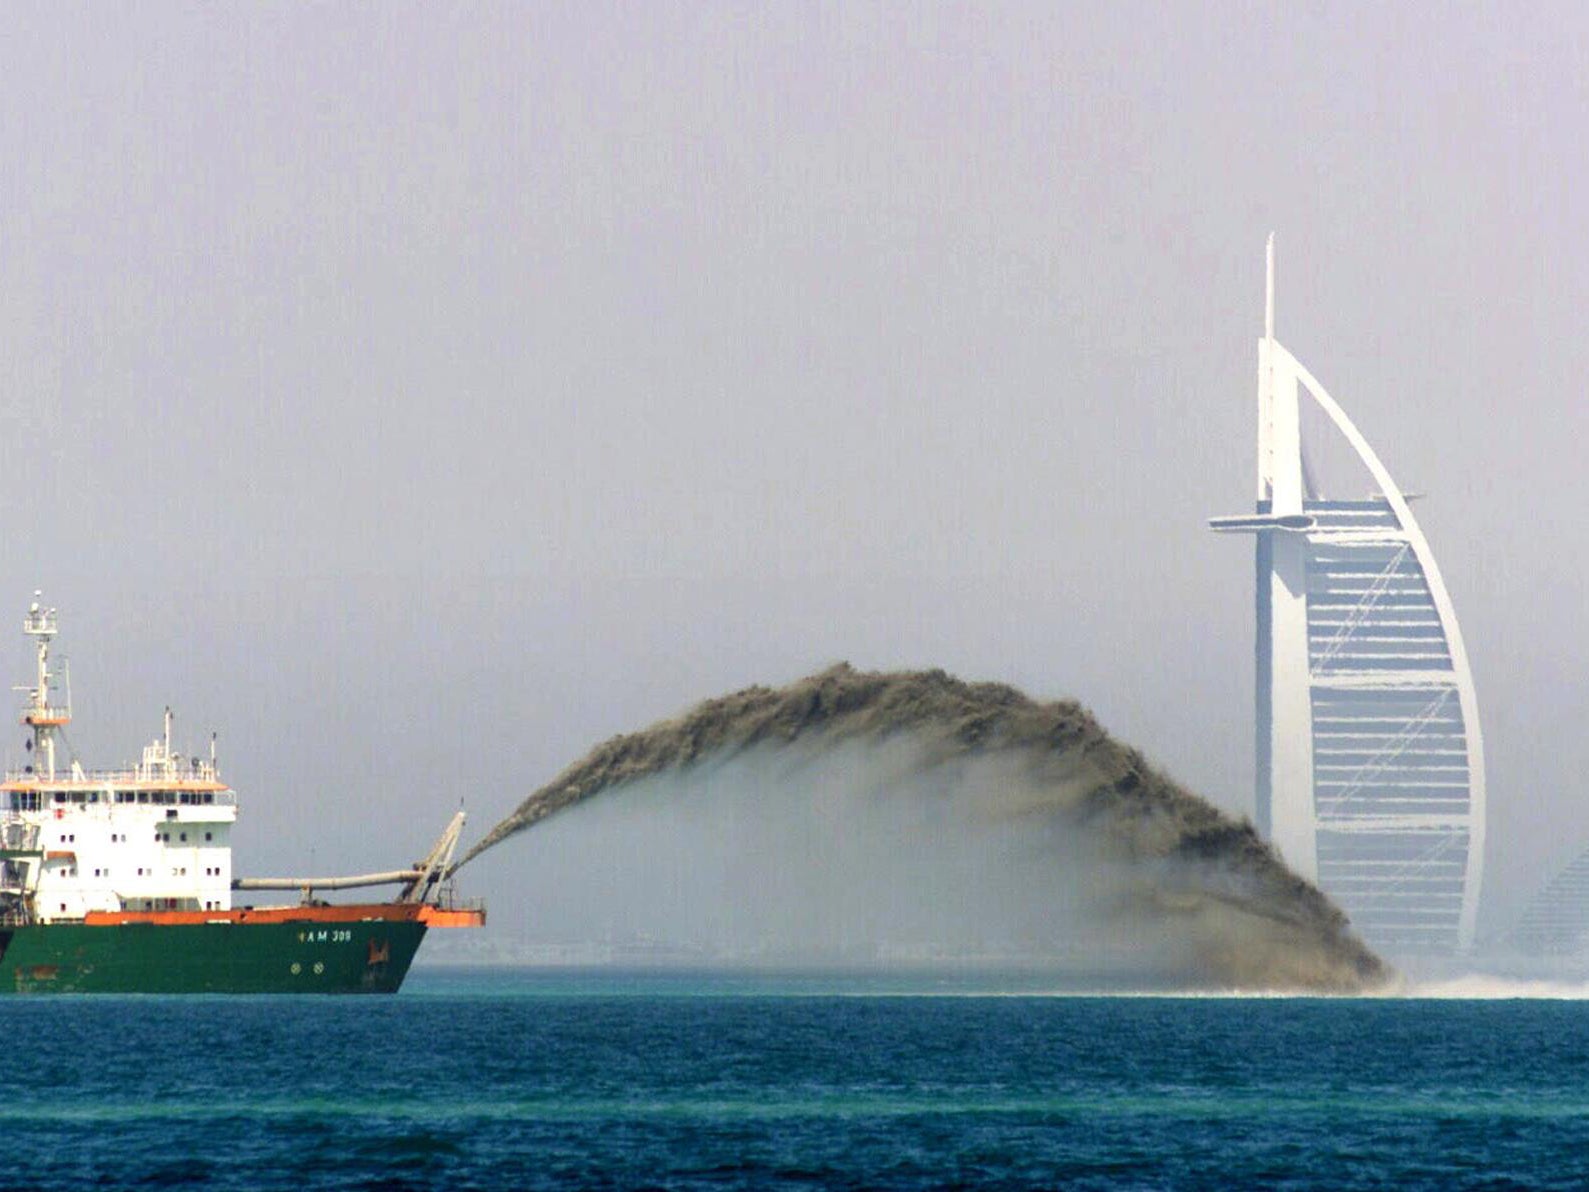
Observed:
{"x":45,"y":720}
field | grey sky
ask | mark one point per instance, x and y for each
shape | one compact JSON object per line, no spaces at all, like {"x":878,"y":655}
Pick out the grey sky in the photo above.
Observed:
{"x":419,"y":394}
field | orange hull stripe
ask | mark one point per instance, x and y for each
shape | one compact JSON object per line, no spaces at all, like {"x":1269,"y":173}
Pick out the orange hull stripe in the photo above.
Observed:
{"x":402,"y":912}
{"x":435,"y":916}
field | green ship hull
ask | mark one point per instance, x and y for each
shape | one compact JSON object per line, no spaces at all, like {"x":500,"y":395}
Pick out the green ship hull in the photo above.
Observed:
{"x":303,"y":956}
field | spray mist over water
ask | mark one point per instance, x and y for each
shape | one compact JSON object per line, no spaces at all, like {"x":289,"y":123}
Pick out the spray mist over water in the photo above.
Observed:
{"x":886,"y":810}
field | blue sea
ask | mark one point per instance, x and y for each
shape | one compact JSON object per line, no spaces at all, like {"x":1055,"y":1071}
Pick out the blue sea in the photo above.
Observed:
{"x":604,"y":1079}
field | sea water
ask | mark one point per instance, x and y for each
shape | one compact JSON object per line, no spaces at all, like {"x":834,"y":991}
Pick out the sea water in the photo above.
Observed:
{"x":537,"y":1079}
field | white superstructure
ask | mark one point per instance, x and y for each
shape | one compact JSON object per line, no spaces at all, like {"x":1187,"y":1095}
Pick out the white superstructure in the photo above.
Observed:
{"x":1370,"y":761}
{"x":155,"y":836}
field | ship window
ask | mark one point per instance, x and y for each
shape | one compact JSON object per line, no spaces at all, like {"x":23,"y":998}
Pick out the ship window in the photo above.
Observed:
{"x":171,"y":814}
{"x":184,"y":836}
{"x":143,"y":796}
{"x":206,"y":836}
{"x":60,"y":797}
{"x":63,"y":906}
{"x":209,"y":796}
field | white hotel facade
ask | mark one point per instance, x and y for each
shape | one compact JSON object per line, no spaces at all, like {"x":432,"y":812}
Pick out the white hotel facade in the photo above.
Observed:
{"x":1370,"y":760}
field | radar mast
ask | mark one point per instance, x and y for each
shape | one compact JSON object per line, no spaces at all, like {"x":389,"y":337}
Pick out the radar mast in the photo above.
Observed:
{"x":44,"y":718}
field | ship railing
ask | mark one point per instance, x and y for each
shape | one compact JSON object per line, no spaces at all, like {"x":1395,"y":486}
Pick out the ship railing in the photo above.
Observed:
{"x":46,"y":714}
{"x":446,"y":898}
{"x":80,"y":779}
{"x":42,"y":621}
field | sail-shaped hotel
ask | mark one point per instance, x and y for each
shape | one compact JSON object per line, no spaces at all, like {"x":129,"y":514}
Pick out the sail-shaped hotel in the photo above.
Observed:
{"x":1370,"y":762}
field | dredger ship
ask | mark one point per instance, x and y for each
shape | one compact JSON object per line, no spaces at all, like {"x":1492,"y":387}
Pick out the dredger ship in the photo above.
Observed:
{"x":120,"y":881}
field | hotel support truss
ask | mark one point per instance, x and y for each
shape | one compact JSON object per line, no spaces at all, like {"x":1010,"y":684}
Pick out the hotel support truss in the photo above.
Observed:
{"x":1370,"y":763}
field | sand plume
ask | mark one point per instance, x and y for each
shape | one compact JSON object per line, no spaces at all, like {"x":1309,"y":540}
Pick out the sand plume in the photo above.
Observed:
{"x":1173,"y":890}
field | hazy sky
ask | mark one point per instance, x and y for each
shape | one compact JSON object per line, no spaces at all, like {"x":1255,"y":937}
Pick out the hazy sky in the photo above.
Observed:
{"x":418,"y":394}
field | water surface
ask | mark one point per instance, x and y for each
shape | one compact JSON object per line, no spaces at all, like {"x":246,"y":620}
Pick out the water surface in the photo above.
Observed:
{"x":476,"y":1079}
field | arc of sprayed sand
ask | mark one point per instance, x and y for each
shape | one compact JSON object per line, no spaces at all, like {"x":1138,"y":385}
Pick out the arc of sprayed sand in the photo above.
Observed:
{"x":1144,"y":816}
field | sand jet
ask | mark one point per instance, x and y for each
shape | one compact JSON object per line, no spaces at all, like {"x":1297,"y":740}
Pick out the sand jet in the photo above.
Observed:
{"x":1177,"y":877}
